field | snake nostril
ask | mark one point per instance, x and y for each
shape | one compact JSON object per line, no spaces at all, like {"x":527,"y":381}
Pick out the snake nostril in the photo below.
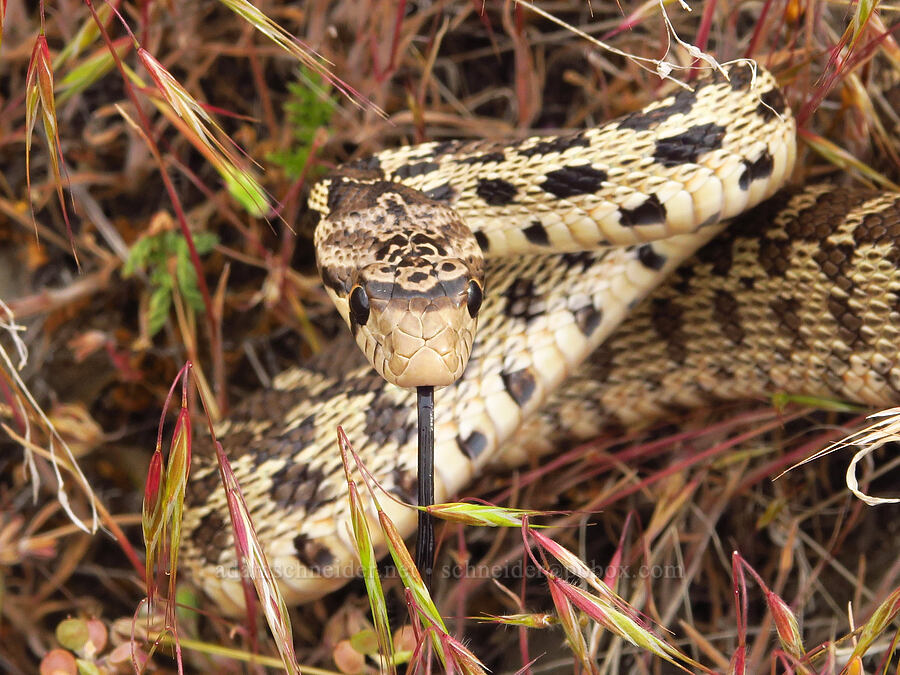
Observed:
{"x":476,"y":296}
{"x":359,"y":305}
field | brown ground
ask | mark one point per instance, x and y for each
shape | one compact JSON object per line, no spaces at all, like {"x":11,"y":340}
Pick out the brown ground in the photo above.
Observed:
{"x":437,"y":70}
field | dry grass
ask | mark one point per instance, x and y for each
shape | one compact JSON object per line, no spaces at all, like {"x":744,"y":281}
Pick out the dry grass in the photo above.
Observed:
{"x":141,"y":161}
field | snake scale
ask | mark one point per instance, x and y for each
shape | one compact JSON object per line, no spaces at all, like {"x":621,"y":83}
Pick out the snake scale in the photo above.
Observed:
{"x":798,"y":294}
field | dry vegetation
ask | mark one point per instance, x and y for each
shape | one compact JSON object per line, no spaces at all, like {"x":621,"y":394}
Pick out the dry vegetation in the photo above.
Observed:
{"x":108,"y":331}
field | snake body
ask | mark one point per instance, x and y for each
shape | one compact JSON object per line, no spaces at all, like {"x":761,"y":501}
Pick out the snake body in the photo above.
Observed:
{"x":798,"y":295}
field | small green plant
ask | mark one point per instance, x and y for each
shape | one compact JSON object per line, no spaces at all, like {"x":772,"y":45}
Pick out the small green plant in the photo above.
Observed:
{"x":166,"y":258}
{"x":309,"y":108}
{"x":84,"y":651}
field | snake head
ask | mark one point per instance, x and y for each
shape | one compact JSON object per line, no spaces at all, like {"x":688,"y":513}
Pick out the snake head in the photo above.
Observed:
{"x":417,"y":325}
{"x":408,"y":278}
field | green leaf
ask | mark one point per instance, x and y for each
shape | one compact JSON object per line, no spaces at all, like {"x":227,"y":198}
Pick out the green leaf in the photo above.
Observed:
{"x":86,"y":73}
{"x":205,"y":242}
{"x":86,"y":667}
{"x":365,"y":642}
{"x":160,"y":302}
{"x":246,"y":191}
{"x":310,"y":107}
{"x":154,"y":254}
{"x":72,"y":634}
{"x":138,"y":256}
{"x":187,"y":278}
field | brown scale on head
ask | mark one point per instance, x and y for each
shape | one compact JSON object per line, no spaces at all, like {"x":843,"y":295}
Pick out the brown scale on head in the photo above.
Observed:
{"x":407,"y":276}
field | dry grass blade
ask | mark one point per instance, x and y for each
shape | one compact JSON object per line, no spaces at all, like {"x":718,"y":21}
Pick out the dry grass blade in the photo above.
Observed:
{"x":845,"y":160}
{"x":453,"y":655}
{"x":863,"y":11}
{"x":568,"y":619}
{"x":880,"y":621}
{"x":28,"y":406}
{"x":661,"y":67}
{"x":786,"y":623}
{"x":368,"y":561}
{"x":39,"y":89}
{"x":483,"y":515}
{"x":409,"y":575}
{"x":881,"y":432}
{"x":605,"y":608}
{"x":201,"y":130}
{"x":542,"y":620}
{"x":795,"y":657}
{"x":256,"y":18}
{"x":670,"y":500}
{"x":89,"y":71}
{"x":254,"y":566}
{"x":86,"y":36}
{"x":163,"y":507}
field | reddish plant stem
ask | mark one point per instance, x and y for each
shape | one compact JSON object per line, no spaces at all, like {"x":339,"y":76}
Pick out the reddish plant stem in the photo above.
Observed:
{"x":709,"y":8}
{"x":395,"y":38}
{"x":758,"y":29}
{"x":212,"y":324}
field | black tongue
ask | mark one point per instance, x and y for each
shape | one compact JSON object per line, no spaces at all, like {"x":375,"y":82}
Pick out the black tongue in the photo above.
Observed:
{"x":425,"y":539}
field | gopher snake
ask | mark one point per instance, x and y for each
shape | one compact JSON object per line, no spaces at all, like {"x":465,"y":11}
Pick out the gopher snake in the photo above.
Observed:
{"x":797,"y":295}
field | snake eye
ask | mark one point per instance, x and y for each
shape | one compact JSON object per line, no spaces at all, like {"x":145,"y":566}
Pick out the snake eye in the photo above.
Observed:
{"x":475,"y":298}
{"x":359,"y":305}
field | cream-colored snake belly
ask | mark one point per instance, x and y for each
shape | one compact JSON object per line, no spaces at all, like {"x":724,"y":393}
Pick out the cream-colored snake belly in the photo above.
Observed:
{"x":798,"y":295}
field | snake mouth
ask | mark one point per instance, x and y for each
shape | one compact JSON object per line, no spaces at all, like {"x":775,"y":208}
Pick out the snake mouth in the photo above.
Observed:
{"x":427,"y":367}
{"x":433,"y":363}
{"x":419,"y":342}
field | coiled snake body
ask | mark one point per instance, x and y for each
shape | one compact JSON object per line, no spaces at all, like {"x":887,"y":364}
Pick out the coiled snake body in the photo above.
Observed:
{"x":799,"y":294}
